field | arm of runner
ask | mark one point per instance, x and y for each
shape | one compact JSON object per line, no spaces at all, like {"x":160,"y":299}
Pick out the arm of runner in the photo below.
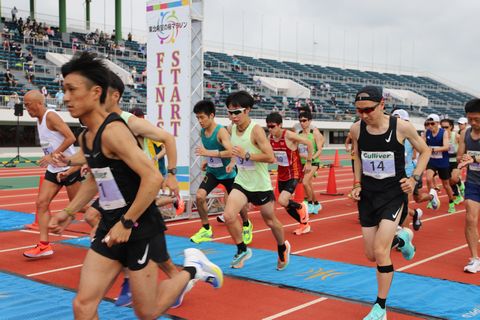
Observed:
{"x":259,"y":139}
{"x":119,"y":143}
{"x":357,"y":187}
{"x":463,"y":158}
{"x":64,"y":174}
{"x":301,"y":140}
{"x":319,"y":140}
{"x":348,"y":142}
{"x":162,"y":153}
{"x":60,"y":160}
{"x":446,"y":144}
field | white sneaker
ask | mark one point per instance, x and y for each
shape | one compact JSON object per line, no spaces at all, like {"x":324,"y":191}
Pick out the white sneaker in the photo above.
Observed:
{"x":187,"y":288}
{"x":435,"y":200}
{"x":473,"y":266}
{"x":206,"y":270}
{"x":221,"y":218}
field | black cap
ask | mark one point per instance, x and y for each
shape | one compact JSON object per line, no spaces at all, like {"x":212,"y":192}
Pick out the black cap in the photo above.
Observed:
{"x":369,"y":93}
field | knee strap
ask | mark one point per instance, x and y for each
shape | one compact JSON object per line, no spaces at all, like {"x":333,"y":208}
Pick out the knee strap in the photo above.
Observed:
{"x":385,"y":269}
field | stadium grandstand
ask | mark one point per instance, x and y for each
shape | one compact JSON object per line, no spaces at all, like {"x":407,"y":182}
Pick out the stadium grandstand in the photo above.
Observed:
{"x":32,"y":51}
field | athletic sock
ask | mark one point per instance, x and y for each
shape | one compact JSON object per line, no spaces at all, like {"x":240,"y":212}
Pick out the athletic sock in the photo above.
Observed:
{"x":315,"y":203}
{"x":246,"y":223}
{"x":192,"y":271}
{"x":241,"y":247}
{"x":44,"y":243}
{"x":206,"y":226}
{"x":397,"y":242}
{"x":294,"y":204}
{"x":381,"y":302}
{"x":281,"y":250}
{"x":293,"y":213}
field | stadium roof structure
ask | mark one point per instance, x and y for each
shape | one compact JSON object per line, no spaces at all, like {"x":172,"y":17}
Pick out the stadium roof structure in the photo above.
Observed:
{"x":406,"y":97}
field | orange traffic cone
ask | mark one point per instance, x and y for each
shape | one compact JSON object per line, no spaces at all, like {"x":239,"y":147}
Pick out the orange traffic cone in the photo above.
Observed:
{"x":336,"y":162}
{"x":34,"y":225}
{"x":299,"y":194}
{"x":332,"y":183}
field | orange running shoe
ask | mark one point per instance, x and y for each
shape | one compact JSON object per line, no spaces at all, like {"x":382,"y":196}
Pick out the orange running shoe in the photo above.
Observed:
{"x":304,"y":228}
{"x":39,"y":251}
{"x":282,"y":265}
{"x":303,"y":213}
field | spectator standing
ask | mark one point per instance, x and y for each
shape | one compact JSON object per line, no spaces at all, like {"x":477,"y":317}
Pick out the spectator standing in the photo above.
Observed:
{"x":129,"y":37}
{"x":59,"y":79}
{"x":14,"y":99}
{"x":10,"y":79}
{"x":44,"y":91}
{"x":59,"y":98}
{"x":14,"y":14}
{"x":217,"y":98}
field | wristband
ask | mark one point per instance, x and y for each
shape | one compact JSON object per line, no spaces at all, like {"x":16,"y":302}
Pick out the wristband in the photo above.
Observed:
{"x":69,"y":162}
{"x":219,"y":154}
{"x":69,"y":212}
{"x":357,"y":185}
{"x":356,"y":181}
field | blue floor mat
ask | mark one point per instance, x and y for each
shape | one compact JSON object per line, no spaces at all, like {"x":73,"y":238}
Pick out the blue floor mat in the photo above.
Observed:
{"x":418,"y":294}
{"x":13,"y":220}
{"x":22,"y":299}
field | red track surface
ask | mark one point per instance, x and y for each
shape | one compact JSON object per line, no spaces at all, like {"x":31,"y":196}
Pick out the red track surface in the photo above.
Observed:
{"x":336,"y":236}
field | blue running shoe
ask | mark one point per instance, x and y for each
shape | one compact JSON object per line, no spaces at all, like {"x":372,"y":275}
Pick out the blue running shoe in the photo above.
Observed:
{"x":187,"y":288}
{"x":125,"y":297}
{"x":317,"y":208}
{"x":377,"y":313}
{"x":408,"y":250}
{"x":435,"y":202}
{"x":240,"y":258}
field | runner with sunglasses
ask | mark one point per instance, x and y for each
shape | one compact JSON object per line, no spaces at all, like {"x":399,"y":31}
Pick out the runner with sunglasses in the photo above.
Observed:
{"x":438,"y":141}
{"x":290,"y":171}
{"x":381,"y":186}
{"x":252,"y":152}
{"x":317,"y":140}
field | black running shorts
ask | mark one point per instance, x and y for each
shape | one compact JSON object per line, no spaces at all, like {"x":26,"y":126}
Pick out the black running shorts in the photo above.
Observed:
{"x":374,"y":207}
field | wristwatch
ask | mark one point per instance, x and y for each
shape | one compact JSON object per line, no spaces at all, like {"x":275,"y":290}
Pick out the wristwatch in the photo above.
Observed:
{"x":247,"y":156}
{"x":172,"y":171}
{"x":417,"y":178}
{"x":127,"y":223}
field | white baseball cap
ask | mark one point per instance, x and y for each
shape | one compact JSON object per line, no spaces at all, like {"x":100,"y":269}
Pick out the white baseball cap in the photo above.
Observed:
{"x":402,"y":114}
{"x":462,"y":120}
{"x":433,"y":117}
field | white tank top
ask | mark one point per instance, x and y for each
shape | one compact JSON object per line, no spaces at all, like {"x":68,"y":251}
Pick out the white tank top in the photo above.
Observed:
{"x":50,"y":141}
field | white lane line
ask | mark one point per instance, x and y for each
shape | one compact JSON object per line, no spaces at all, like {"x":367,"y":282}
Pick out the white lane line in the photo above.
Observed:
{"x":54,"y":270}
{"x":17,"y":248}
{"x":32,"y":202}
{"x":50,"y":234}
{"x":431,"y":258}
{"x":302,"y":306}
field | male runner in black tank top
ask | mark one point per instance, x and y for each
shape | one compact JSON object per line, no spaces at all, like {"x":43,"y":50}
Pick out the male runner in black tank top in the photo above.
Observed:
{"x":381,"y":186}
{"x":130,"y":233}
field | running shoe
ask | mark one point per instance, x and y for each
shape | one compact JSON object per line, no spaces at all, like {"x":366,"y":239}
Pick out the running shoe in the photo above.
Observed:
{"x":203,"y":235}
{"x":310,"y":207}
{"x":221,"y":218}
{"x":462,"y":188}
{"x":377,"y":313}
{"x":451,"y":207}
{"x":247,"y":233}
{"x":187,"y":288}
{"x":435,"y":200}
{"x":473,"y":266}
{"x":458,"y":199}
{"x":206,"y":270}
{"x":125,"y":297}
{"x":408,"y":250}
{"x":429,"y":205}
{"x":240,"y":258}
{"x":282,"y":265}
{"x":39,"y":251}
{"x":417,"y":223}
{"x":317,"y":208}
{"x":303,"y":213}
{"x":304,"y":228}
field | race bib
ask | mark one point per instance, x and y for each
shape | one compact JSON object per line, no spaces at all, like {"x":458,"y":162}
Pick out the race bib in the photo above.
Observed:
{"x":282,"y":159}
{"x":377,"y":164}
{"x":474,"y":166}
{"x":214,"y":162}
{"x":436,"y":155}
{"x":302,"y":150}
{"x":47,"y":148}
{"x":109,"y":194}
{"x":244,"y":164}
{"x":451,"y":148}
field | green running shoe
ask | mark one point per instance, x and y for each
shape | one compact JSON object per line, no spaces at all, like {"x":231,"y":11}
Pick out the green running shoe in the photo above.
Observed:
{"x":451,"y":207}
{"x":458,"y":199}
{"x":203,"y":235}
{"x":247,"y":233}
{"x":462,"y":189}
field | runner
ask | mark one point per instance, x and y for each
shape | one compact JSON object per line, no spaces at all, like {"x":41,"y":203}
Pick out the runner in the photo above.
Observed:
{"x":438,"y":141}
{"x":314,"y":135}
{"x":381,"y":186}
{"x":217,"y":149}
{"x":285,"y":147}
{"x":252,"y":183}
{"x":130,"y":232}
{"x":469,"y":156}
{"x":55,"y":136}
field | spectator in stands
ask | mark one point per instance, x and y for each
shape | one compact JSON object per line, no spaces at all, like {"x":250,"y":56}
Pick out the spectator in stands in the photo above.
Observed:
{"x":320,"y":108}
{"x":30,"y":73}
{"x":45,"y":38}
{"x":59,"y":98}
{"x":133,"y":102}
{"x":235,"y":64}
{"x":285,"y":103}
{"x":144,"y":76}
{"x":14,"y":14}
{"x":29,"y":57}
{"x":6,"y":45}
{"x":58,"y":79}
{"x":13,"y":100}
{"x":18,"y":50}
{"x":333,"y":98}
{"x":129,"y":37}
{"x":222,"y":87}
{"x":10,"y":78}
{"x":133,"y":73}
{"x":44,"y":91}
{"x":217,"y":98}
{"x":327,"y":86}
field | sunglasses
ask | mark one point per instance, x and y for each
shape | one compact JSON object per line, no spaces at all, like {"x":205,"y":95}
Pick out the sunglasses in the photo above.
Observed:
{"x":271,"y":126}
{"x":236,"y":112}
{"x":429,"y":123}
{"x":303,"y":120}
{"x":367,"y":110}
{"x":445,"y":127}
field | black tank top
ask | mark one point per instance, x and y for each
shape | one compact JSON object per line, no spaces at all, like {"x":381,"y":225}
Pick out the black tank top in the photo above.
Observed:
{"x":117,"y":188}
{"x":383,"y":159}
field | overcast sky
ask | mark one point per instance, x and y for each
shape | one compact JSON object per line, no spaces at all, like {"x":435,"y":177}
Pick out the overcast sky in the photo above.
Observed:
{"x":439,"y":38}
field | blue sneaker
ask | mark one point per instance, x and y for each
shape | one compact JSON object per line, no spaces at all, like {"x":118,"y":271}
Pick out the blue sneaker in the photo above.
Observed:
{"x":377,"y":313}
{"x":125,"y":297}
{"x":435,"y":202}
{"x":187,"y":288}
{"x":310,"y":208}
{"x":317,"y":208}
{"x":408,"y":250}
{"x":240,"y":258}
